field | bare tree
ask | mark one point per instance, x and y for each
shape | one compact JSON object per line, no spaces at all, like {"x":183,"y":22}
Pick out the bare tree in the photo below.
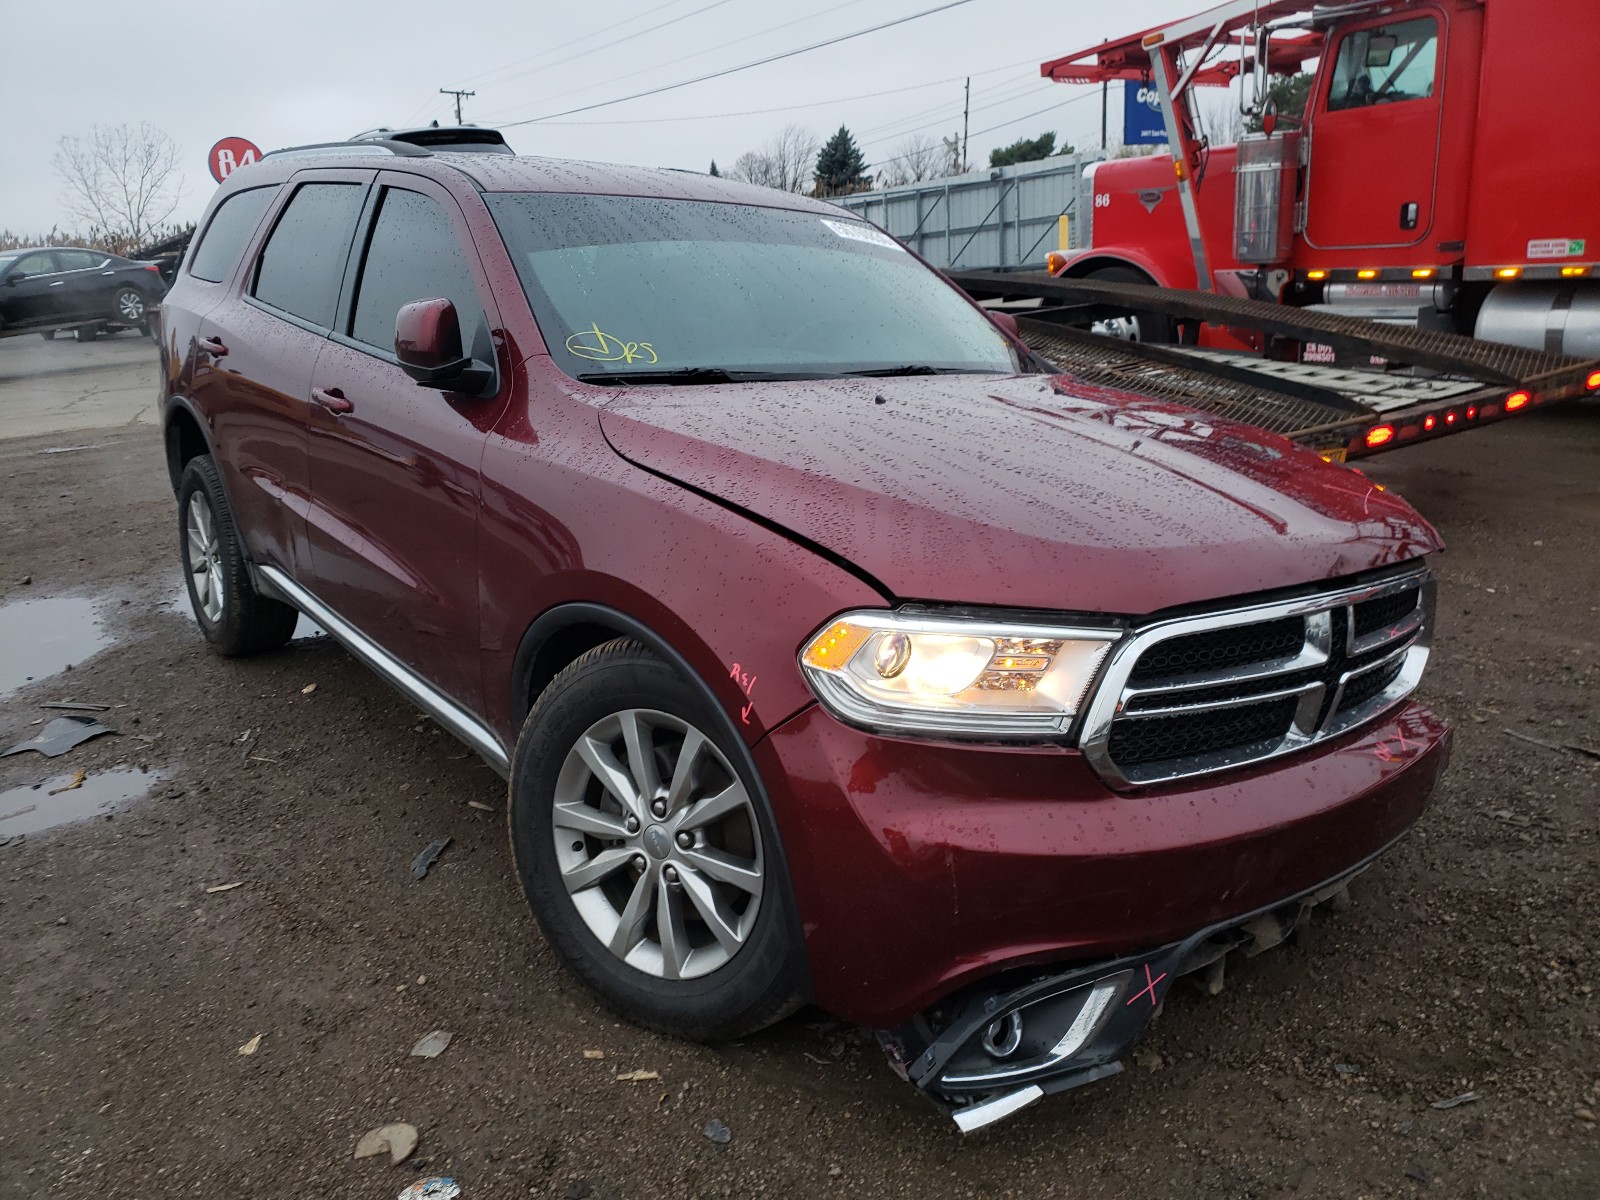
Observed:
{"x":787,"y":161}
{"x":123,"y":179}
{"x":916,"y":158}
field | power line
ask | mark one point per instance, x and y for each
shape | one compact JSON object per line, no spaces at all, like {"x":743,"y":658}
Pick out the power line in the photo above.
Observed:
{"x":771,"y":58}
{"x":993,"y":128}
{"x":589,"y":87}
{"x":572,"y":42}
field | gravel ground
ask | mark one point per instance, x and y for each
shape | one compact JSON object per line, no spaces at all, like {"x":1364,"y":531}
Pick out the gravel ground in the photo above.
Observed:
{"x":1467,"y":965}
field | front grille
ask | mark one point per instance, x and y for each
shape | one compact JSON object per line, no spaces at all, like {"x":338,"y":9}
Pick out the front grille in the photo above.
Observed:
{"x":1205,"y":693}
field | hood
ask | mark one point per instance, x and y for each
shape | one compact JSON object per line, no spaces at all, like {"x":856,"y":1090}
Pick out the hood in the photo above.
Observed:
{"x":1026,"y":491}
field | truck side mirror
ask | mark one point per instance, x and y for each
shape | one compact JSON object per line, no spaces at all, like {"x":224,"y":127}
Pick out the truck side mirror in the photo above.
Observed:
{"x":427,"y":344}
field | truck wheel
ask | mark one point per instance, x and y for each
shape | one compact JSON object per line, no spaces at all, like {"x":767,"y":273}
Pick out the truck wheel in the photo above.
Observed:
{"x":1140,"y":326}
{"x":647,"y":853}
{"x":235,"y":618}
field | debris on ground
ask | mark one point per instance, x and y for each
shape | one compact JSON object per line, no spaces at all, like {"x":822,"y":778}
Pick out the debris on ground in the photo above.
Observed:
{"x":594,"y":1054}
{"x":1464,"y":1098}
{"x":638,"y":1076}
{"x":1419,"y":1172}
{"x":223,"y":887}
{"x":1347,"y":1068}
{"x":718,"y":1132}
{"x":61,"y":735}
{"x":429,"y":856}
{"x":251,"y":1046}
{"x":480,"y":806}
{"x":72,"y":784}
{"x":78,"y":705}
{"x":432,"y":1045}
{"x":397,"y":1140}
{"x":1148,"y":1059}
{"x":308,"y":689}
{"x":436,"y":1188}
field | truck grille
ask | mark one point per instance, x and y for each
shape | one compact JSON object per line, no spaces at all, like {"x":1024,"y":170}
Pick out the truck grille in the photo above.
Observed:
{"x":1205,"y":693}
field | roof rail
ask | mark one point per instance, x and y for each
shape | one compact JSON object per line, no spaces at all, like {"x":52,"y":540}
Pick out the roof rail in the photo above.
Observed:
{"x":400,"y":149}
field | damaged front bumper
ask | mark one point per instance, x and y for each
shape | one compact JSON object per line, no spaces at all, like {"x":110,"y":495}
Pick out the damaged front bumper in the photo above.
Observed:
{"x":998,"y":1046}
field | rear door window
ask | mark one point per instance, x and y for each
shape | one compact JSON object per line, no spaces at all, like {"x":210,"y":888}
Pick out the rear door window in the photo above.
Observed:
{"x":303,"y":261}
{"x":80,"y":260}
{"x":414,"y":254}
{"x":225,"y":237}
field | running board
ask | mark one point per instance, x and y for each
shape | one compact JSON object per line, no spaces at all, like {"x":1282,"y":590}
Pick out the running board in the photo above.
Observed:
{"x":449,"y":714}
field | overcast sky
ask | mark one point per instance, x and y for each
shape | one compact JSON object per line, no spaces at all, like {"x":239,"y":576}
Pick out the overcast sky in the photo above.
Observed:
{"x":285,"y":72}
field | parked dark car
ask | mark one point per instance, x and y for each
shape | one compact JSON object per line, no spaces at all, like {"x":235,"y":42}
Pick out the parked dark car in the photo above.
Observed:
{"x":51,"y":288}
{"x":834,"y":648}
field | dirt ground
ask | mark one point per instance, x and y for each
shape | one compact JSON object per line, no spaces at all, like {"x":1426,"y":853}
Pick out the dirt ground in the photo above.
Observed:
{"x":127,"y":988}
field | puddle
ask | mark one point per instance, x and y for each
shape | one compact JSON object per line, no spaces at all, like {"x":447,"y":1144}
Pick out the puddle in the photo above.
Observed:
{"x":32,"y":808}
{"x":305,"y":627}
{"x":39,"y":638}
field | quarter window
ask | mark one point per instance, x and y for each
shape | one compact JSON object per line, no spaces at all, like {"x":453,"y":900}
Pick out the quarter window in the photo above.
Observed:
{"x":230,"y":228}
{"x":414,"y":254}
{"x":303,"y":261}
{"x":1385,"y":65}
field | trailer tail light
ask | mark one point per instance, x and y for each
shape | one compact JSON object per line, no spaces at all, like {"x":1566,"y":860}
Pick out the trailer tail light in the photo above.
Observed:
{"x":1366,"y":273}
{"x":1428,"y":422}
{"x":1593,"y":382}
{"x":1574,"y":272}
{"x":1423,"y":273}
{"x":1508,"y":272}
{"x":1518,"y":400}
{"x":1379,"y":435}
{"x":1451,"y":417}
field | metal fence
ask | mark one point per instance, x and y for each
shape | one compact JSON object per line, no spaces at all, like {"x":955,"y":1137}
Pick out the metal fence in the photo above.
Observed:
{"x":983,"y":220}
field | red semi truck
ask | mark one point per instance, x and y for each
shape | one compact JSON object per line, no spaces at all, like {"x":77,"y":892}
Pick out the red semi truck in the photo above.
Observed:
{"x":1446,"y":172}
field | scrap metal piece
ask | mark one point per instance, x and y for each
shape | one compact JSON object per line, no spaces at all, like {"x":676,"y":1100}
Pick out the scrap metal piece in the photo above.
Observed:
{"x":61,"y":735}
{"x":397,"y":1141}
{"x":429,"y":856}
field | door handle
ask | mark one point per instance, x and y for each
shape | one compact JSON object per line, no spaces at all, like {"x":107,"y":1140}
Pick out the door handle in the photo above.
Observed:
{"x":58,"y":283}
{"x":333,"y":400}
{"x":212,"y":346}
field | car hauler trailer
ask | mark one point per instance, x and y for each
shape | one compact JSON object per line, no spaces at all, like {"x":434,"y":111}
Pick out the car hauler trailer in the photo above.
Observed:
{"x":1443,"y":175}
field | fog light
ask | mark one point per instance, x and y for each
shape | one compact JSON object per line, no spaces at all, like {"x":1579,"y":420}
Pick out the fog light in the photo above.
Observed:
{"x":1003,"y":1037}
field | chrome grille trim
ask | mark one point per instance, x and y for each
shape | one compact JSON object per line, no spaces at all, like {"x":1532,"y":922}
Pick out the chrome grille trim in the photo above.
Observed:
{"x":1317,"y":716}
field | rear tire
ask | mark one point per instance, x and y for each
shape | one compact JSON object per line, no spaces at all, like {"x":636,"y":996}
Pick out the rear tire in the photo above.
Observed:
{"x":128,"y":307}
{"x":655,"y":875}
{"x":1145,"y":326}
{"x":235,"y":618}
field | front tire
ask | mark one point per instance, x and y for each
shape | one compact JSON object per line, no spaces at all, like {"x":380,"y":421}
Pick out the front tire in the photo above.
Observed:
{"x":646,"y":851}
{"x":1139,"y":326}
{"x":235,"y":618}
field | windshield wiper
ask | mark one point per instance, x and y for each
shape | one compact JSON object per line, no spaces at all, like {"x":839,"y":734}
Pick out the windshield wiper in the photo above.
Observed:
{"x":919,"y":369}
{"x":692,"y":375}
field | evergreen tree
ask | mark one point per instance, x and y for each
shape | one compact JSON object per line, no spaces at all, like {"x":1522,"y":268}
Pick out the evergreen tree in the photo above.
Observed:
{"x":1026,"y":150}
{"x":714,"y":173}
{"x":841,"y":169}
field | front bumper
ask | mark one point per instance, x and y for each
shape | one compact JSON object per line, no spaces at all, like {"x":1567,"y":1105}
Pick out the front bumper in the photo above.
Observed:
{"x":920,"y":868}
{"x":999,"y":1046}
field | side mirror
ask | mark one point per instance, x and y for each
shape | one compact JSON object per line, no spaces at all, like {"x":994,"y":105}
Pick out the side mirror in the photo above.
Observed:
{"x":14,"y":279}
{"x":427,"y":341}
{"x":1005,"y":323}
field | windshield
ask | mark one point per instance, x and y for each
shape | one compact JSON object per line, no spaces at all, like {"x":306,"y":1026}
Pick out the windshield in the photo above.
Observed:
{"x":6,"y":260}
{"x":627,"y":286}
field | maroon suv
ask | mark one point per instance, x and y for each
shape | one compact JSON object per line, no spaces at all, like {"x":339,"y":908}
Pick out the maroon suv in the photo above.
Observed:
{"x":834,"y":647}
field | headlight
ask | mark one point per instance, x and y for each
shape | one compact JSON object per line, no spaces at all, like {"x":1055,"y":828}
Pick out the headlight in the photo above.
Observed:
{"x":922,"y":674}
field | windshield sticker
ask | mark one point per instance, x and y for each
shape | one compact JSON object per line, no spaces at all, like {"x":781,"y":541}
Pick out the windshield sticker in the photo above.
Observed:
{"x":862,"y":233}
{"x":594,"y":344}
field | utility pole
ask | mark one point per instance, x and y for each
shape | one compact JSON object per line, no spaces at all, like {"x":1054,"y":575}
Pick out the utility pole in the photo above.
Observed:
{"x":457,"y":94}
{"x":966,"y":107}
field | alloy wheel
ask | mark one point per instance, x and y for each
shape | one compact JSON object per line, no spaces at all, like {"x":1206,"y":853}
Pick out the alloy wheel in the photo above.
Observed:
{"x":130,"y":307}
{"x":657,"y":844}
{"x":205,"y":556}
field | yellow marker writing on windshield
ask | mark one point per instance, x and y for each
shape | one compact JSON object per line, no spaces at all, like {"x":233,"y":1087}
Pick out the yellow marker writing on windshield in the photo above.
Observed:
{"x":593,"y":344}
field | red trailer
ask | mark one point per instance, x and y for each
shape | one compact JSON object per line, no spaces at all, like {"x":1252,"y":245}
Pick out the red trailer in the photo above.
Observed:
{"x":1444,"y":174}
